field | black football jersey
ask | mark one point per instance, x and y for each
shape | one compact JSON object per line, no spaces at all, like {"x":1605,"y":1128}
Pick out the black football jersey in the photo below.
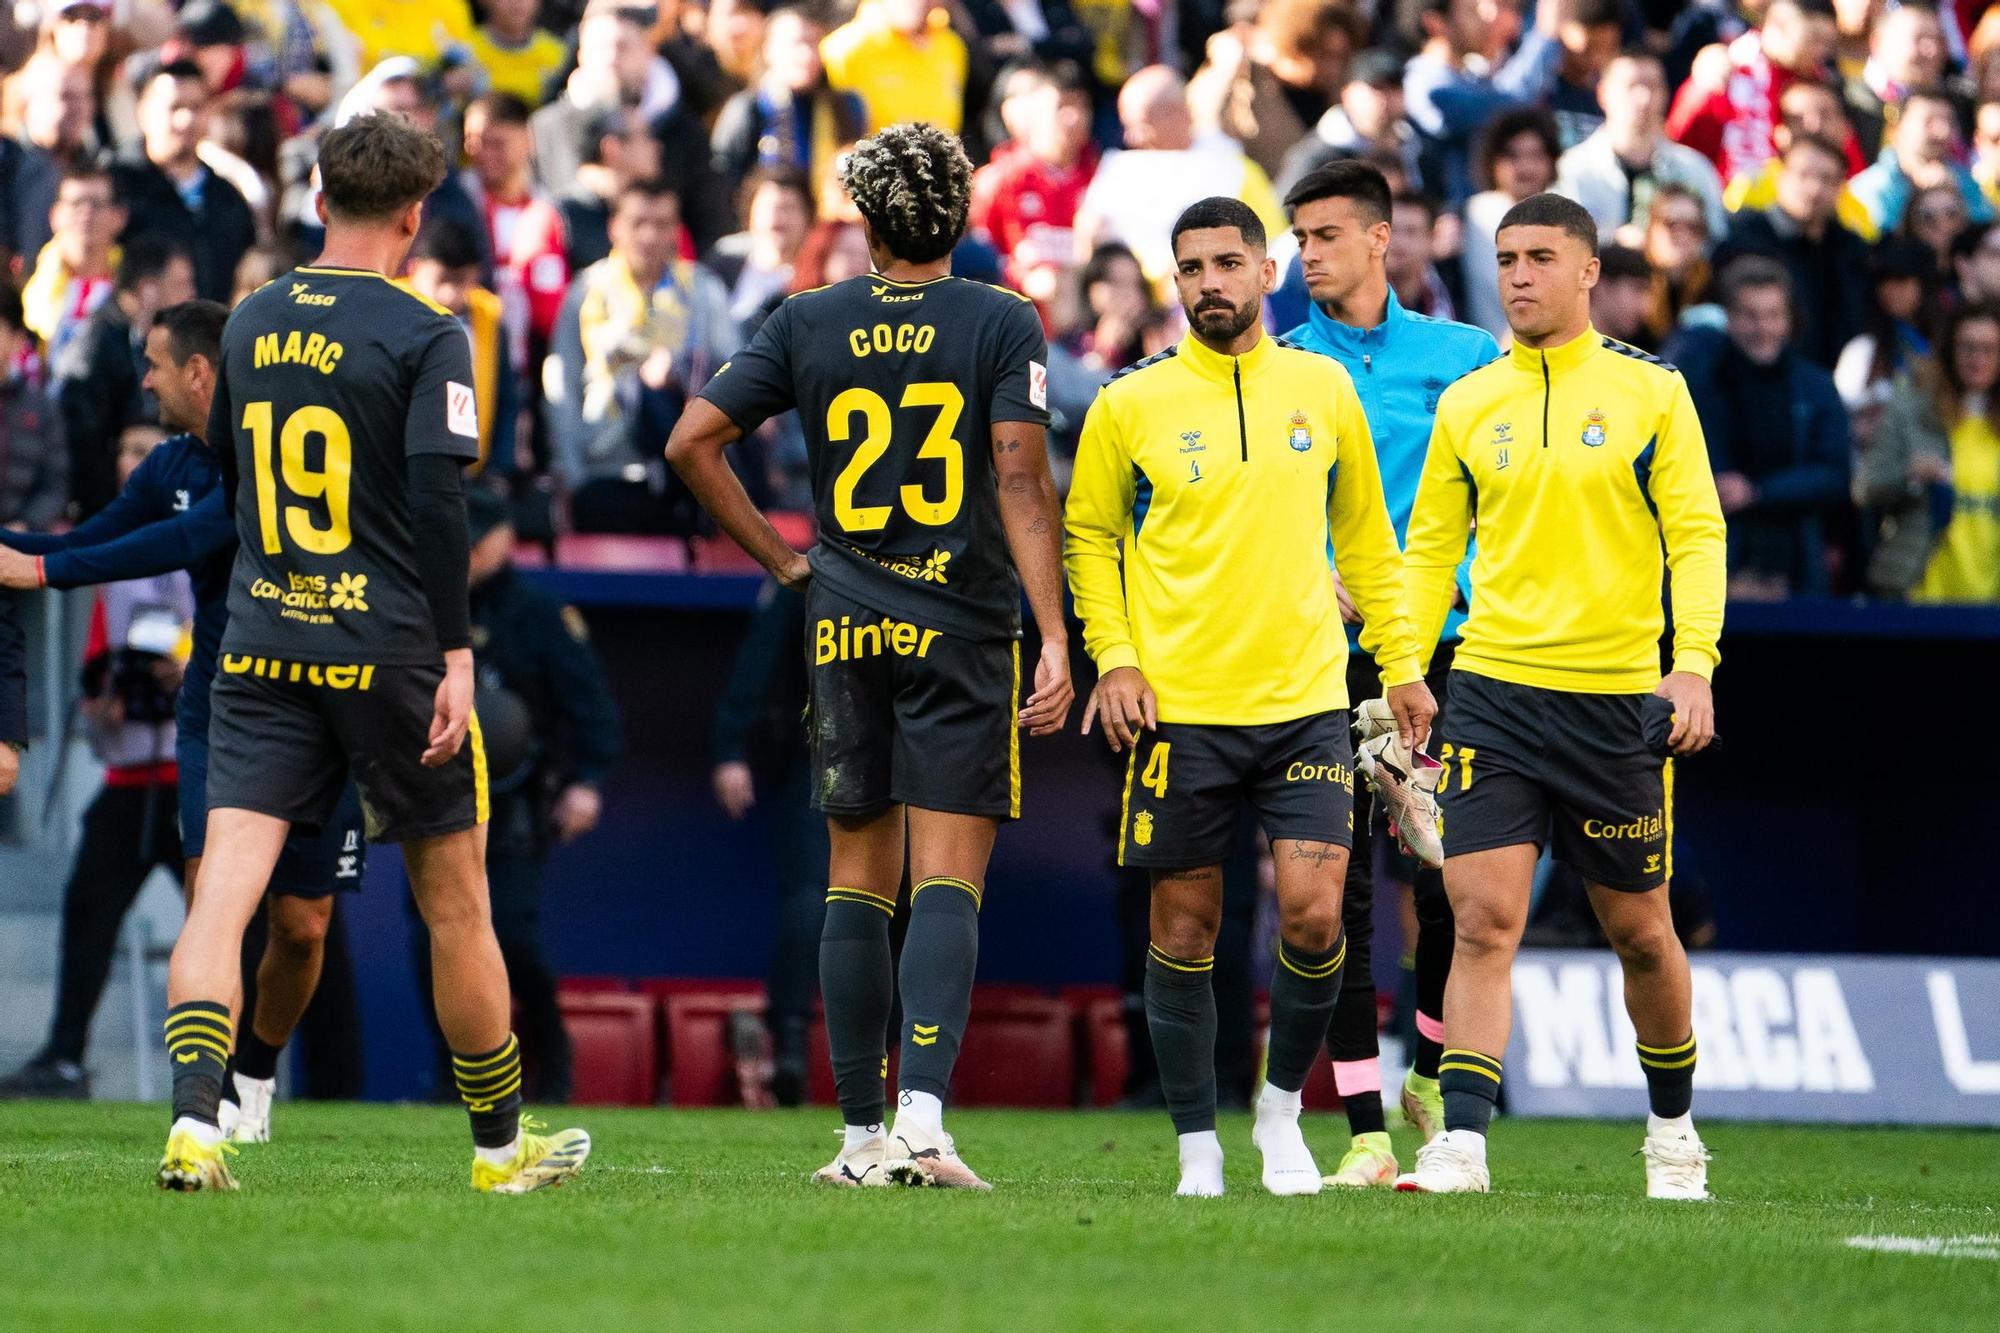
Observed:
{"x":331,"y":379}
{"x":897,"y":385}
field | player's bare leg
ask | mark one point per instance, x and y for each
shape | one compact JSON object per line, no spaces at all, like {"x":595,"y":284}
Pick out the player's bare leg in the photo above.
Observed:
{"x":1186,"y":917}
{"x":1305,"y":988}
{"x":858,"y":980}
{"x":1659,"y":997}
{"x":287,"y":976}
{"x":1489,"y":894}
{"x":948,"y":858}
{"x":204,"y":979}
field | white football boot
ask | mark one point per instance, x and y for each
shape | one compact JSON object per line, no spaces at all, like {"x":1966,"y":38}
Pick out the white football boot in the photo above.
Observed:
{"x":1406,"y":783}
{"x":253,"y":1116}
{"x":1676,"y":1164}
{"x":864,"y":1165}
{"x":1452,"y":1163}
{"x":928,"y":1159}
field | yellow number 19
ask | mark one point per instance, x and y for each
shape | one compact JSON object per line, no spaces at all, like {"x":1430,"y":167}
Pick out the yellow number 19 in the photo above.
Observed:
{"x":331,"y":482}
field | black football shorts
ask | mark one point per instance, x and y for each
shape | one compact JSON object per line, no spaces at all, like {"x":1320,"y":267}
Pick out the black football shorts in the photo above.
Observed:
{"x":1185,"y":785}
{"x":1558,"y":768}
{"x":286,"y":735}
{"x":902,"y":713}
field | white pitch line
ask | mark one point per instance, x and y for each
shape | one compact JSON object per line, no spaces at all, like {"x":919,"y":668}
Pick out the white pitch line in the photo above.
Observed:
{"x":1943,"y":1247}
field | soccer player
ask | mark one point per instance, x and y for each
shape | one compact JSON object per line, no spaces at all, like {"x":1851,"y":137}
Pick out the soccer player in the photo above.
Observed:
{"x":343,"y":412}
{"x":1221,"y":467}
{"x":171,"y":515}
{"x":1578,"y":458}
{"x":1400,"y":362}
{"x":925,"y":404}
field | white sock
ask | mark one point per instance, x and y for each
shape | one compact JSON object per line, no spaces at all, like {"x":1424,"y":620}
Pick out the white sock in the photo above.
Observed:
{"x":1682,"y":1124}
{"x":499,"y":1156}
{"x":1277,"y":1100}
{"x":858,"y":1135}
{"x":1200,"y":1146}
{"x":206,"y":1134}
{"x":924,"y":1110}
{"x":1467,"y":1140}
{"x":245,"y":1082}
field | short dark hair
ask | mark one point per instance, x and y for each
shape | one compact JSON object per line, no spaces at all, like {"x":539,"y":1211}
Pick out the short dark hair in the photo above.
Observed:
{"x":194,"y":328}
{"x":1819,"y":143}
{"x":145,"y":257}
{"x":652,"y":187}
{"x":501,"y":109}
{"x":91,"y":171}
{"x":1348,"y":178}
{"x":1219,"y":211}
{"x":1553,"y":210}
{"x":1509,"y":125}
{"x":11,"y":314}
{"x":1749,"y":273}
{"x":183,"y":70}
{"x":1594,"y":13}
{"x":447,"y":243}
{"x":1419,"y":199}
{"x":913,"y":183}
{"x":1970,"y":237}
{"x":376,"y":165}
{"x":1622,"y":261}
{"x":594,"y":127}
{"x":783,"y":175}
{"x":1927,"y":93}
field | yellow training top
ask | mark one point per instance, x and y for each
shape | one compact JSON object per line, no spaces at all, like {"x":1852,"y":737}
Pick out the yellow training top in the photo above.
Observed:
{"x":1575,"y":462}
{"x":1224,"y":478}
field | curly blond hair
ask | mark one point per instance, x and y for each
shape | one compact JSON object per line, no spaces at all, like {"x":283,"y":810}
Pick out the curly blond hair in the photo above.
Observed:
{"x":913,"y":182}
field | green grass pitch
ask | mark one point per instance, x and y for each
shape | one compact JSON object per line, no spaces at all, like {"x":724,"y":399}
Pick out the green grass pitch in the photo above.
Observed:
{"x":359,"y":1217}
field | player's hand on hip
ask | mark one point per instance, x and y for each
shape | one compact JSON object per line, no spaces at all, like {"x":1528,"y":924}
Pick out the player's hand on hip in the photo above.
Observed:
{"x":1413,"y":708}
{"x":452,"y":712}
{"x":1124,"y":702}
{"x":1694,"y":711}
{"x":735,"y":788}
{"x":1048,"y":707}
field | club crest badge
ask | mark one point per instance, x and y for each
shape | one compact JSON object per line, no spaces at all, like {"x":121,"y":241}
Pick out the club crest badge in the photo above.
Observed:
{"x":1142,"y":828}
{"x":1301,"y":437}
{"x":1593,"y":428}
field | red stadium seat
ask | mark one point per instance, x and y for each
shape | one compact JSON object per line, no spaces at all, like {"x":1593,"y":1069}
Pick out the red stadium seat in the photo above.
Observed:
{"x":614,"y":553}
{"x":617,"y":1047}
{"x":701,"y":1071}
{"x":1099,"y":1017}
{"x":720,"y":554}
{"x":594,"y":986}
{"x":1019,"y":1050}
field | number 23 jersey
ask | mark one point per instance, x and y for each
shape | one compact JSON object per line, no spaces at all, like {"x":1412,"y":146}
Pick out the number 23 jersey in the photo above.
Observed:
{"x":331,"y":380}
{"x":897,"y":386}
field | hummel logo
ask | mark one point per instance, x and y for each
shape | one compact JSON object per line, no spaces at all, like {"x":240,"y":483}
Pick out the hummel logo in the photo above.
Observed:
{"x":923,"y":1036}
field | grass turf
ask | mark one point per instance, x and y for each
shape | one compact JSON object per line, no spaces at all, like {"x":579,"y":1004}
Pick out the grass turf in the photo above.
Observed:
{"x":359,"y":1217}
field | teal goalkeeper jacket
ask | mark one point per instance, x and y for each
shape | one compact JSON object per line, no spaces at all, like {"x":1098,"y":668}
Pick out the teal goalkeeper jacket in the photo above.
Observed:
{"x":1399,"y":368}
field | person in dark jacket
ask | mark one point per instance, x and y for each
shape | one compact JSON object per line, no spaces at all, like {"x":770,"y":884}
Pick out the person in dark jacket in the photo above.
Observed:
{"x":169,"y":191}
{"x":1777,"y":438}
{"x":13,"y":691}
{"x":552,"y":734}
{"x":34,"y":465}
{"x":790,"y":118}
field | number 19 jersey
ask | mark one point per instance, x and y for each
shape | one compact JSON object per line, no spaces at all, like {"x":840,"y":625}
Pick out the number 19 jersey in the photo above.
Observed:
{"x":331,"y":379}
{"x":897,"y":386}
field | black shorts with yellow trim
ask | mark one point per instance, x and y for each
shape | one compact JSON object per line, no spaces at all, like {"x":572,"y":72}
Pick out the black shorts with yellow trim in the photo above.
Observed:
{"x":285,"y":736}
{"x":901,"y":713}
{"x":1557,"y":768}
{"x":1186,"y":782}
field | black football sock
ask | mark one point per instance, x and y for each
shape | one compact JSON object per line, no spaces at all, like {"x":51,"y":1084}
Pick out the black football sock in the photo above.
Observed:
{"x":857,"y":980}
{"x":1180,"y":1015}
{"x":255,"y":1057}
{"x":1470,"y":1083}
{"x":490,"y":1086}
{"x":198,"y":1035}
{"x":1669,"y":1077}
{"x":1305,"y":987}
{"x":940,"y":954}
{"x":1435,"y":941}
{"x":1351,"y":1042}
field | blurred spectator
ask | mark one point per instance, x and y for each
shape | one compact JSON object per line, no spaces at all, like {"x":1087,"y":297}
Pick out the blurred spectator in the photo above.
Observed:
{"x":1906,"y":51}
{"x":1163,"y":168}
{"x":1267,"y":83}
{"x":1676,"y":245}
{"x":48,"y":123}
{"x":1777,"y":436}
{"x":1986,"y":150}
{"x":1026,"y":201}
{"x":444,"y":269}
{"x":1037,"y":31}
{"x":614,"y":149}
{"x":1517,"y":159}
{"x":71,"y":276}
{"x":130,"y":676}
{"x":424,"y":29}
{"x":1703,"y":25}
{"x":904,"y":61}
{"x":1590,"y":33}
{"x":523,"y":230}
{"x":1852,"y":22}
{"x":1412,"y":255}
{"x":1975,"y":263}
{"x":1115,"y":308}
{"x":1932,"y":479}
{"x":734,"y":31}
{"x":1622,"y":296}
{"x":308,"y":54}
{"x":100,"y":372}
{"x":34,"y":465}
{"x":1902,"y":289}
{"x":516,"y":56}
{"x":1728,"y":108}
{"x":636,"y":329}
{"x":1983,"y":57}
{"x":1920,"y":155}
{"x":256,"y":268}
{"x":1615,"y":171}
{"x":83,"y":34}
{"x":1822,"y":256}
{"x":1804,"y":108}
{"x":1936,"y":216}
{"x":756,"y":263}
{"x":1451,"y":99}
{"x":168,"y":190}
{"x":1367,"y":120}
{"x":791,"y":117}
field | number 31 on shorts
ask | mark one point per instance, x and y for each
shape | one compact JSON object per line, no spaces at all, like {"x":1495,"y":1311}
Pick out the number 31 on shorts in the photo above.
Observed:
{"x":1465,"y":757}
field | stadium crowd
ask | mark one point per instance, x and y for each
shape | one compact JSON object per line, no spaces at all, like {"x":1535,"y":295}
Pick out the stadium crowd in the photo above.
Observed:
{"x":1797,"y":201}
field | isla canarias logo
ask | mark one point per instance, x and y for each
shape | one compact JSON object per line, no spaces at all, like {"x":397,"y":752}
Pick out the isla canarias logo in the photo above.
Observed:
{"x":350,"y":593}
